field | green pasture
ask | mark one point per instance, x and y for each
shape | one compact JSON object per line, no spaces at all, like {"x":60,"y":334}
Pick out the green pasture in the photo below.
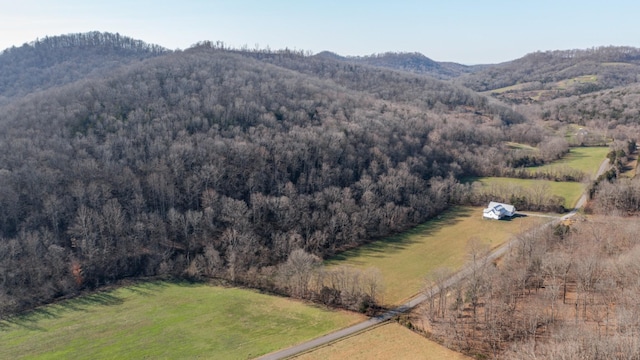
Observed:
{"x":570,"y":191}
{"x":585,"y":159}
{"x":162,"y":320}
{"x":406,"y":259}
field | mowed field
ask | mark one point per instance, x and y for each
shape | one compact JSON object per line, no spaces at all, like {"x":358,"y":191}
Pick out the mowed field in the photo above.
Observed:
{"x":570,"y":191}
{"x":585,"y":159}
{"x":162,"y":320}
{"x":406,"y":259}
{"x":389,"y":341}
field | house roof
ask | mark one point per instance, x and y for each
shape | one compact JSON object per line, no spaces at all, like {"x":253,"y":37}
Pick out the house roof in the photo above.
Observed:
{"x":497,"y":205}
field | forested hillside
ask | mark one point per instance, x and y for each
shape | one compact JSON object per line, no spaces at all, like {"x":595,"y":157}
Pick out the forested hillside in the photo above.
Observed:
{"x":219,"y":163}
{"x":551,"y":74}
{"x":411,"y":62}
{"x":59,"y":60}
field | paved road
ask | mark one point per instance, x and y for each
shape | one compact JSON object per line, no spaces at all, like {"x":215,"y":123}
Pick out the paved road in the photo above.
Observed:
{"x":418,"y":299}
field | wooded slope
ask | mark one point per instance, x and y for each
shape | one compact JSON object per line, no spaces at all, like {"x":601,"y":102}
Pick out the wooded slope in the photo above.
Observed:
{"x":560,"y":73}
{"x":58,"y":60}
{"x":219,"y":163}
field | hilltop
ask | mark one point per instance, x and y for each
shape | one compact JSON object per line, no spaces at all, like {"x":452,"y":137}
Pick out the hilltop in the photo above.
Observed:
{"x":411,"y":62}
{"x":59,"y":60}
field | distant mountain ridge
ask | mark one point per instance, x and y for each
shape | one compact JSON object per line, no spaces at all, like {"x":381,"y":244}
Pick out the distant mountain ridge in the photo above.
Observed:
{"x":413,"y":62}
{"x":550,"y":74}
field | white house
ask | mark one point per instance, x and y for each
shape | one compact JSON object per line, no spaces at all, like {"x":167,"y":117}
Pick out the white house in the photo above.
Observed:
{"x":497,"y":210}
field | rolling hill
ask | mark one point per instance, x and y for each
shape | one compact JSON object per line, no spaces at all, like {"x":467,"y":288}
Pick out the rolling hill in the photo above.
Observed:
{"x":410,"y":62}
{"x":551,"y":74}
{"x":59,"y":60}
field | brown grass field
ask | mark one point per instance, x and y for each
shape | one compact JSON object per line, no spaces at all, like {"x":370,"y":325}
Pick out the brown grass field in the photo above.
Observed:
{"x":388,"y":341}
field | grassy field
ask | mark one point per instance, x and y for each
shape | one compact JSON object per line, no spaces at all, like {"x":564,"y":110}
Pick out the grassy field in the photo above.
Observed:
{"x":585,"y":159}
{"x":163,"y":320}
{"x":389,"y":341}
{"x":405,"y":260}
{"x":570,"y":191}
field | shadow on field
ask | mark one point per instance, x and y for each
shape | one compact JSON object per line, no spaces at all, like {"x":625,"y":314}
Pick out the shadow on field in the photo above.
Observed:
{"x":515,"y":216}
{"x":30,"y":319}
{"x":394,"y":244}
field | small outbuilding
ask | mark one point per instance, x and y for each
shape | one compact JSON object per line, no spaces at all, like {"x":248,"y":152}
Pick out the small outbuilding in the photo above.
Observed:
{"x":497,"y":211}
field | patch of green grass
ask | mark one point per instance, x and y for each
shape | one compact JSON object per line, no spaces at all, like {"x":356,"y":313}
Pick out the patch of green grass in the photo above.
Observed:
{"x":406,"y":259}
{"x":570,"y":191}
{"x":162,"y":320}
{"x":584,"y":79}
{"x":585,"y":159}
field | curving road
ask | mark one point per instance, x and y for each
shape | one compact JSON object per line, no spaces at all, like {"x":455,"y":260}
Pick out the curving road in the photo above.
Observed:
{"x":418,"y":299}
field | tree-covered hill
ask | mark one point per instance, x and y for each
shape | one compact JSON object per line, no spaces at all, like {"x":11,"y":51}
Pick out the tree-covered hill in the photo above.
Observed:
{"x":411,"y":62}
{"x":208,"y":162}
{"x":614,"y":109}
{"x":58,"y":60}
{"x":551,"y":74}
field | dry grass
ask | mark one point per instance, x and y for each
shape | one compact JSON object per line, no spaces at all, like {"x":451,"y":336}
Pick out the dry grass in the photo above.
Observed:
{"x":389,"y":341}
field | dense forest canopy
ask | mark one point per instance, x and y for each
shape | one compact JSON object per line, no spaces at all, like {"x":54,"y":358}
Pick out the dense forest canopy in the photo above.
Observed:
{"x":59,"y":60}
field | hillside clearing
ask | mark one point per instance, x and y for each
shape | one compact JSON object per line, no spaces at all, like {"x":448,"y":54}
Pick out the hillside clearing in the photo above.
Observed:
{"x":167,"y":320}
{"x":585,"y":159}
{"x":570,"y":191}
{"x":405,"y":260}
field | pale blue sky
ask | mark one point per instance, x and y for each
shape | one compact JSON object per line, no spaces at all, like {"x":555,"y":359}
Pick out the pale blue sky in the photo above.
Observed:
{"x":464,"y":31}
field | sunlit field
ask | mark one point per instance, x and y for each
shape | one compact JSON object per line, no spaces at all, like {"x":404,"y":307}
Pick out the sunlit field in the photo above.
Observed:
{"x":406,"y":259}
{"x":162,"y":320}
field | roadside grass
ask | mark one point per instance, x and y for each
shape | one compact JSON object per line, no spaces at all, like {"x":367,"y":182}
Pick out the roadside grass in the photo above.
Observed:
{"x":389,"y":341}
{"x":406,"y":259}
{"x":166,"y":320}
{"x":585,"y":159}
{"x":570,"y":191}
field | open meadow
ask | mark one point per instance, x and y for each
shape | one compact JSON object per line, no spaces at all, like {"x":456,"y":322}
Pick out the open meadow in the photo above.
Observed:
{"x":405,"y":260}
{"x":585,"y":159}
{"x":163,"y":320}
{"x":388,"y":341}
{"x":570,"y":191}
